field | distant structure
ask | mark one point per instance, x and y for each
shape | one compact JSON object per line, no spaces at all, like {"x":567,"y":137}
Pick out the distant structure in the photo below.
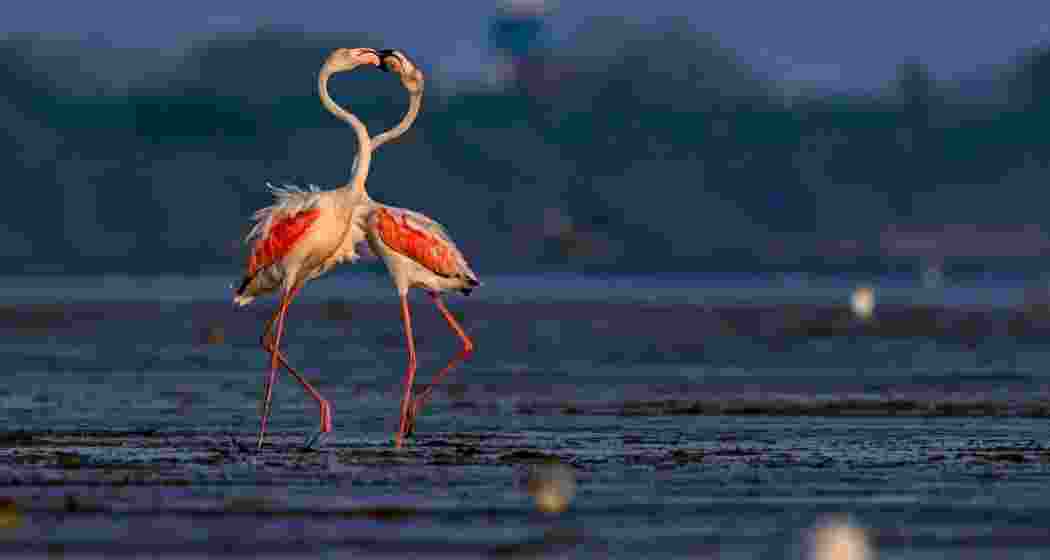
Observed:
{"x":519,"y":37}
{"x":938,"y":242}
{"x":933,"y":245}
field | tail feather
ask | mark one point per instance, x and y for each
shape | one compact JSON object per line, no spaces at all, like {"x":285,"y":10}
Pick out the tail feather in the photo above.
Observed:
{"x":238,"y":295}
{"x":472,"y":282}
{"x":244,"y":283}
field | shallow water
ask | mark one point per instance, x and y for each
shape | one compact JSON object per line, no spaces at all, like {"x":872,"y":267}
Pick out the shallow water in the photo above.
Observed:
{"x":694,"y":427}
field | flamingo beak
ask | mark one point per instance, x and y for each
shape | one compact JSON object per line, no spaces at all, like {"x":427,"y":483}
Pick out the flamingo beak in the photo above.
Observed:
{"x":382,"y":56}
{"x":379,"y":60}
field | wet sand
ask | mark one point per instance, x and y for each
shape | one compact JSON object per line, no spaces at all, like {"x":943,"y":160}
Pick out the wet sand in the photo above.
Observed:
{"x":709,"y":486}
{"x":692,"y":431}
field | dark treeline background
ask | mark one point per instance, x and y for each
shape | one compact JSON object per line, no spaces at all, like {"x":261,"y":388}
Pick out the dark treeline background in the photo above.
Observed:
{"x":639,"y":149}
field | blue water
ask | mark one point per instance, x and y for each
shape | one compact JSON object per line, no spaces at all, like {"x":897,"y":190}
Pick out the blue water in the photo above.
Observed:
{"x":694,"y":289}
{"x":121,"y":423}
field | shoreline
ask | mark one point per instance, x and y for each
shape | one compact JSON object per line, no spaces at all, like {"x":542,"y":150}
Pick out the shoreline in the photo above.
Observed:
{"x":660,"y":289}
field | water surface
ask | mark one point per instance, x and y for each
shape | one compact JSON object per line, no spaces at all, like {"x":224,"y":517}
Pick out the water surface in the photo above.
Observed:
{"x":723,"y":420}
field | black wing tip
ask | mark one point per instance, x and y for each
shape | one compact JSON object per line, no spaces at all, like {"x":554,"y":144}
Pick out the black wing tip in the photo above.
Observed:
{"x":244,"y":285}
{"x":472,"y":283}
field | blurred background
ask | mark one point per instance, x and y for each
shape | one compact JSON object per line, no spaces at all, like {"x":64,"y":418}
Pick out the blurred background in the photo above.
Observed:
{"x":708,"y":233}
{"x":649,"y":137}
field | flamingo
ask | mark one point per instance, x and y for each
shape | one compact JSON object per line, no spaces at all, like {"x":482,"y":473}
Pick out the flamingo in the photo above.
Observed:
{"x":418,"y":253}
{"x":413,"y":81}
{"x":303,"y":234}
{"x":285,"y":231}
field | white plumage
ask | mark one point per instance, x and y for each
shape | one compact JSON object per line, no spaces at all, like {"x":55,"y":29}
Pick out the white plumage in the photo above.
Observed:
{"x":305,"y":233}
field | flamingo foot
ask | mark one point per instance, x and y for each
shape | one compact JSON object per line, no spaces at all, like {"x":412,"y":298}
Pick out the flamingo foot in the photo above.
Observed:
{"x":315,"y":441}
{"x":326,"y":416}
{"x":262,"y":429}
{"x":408,"y":427}
{"x":413,"y":412}
{"x":410,"y":422}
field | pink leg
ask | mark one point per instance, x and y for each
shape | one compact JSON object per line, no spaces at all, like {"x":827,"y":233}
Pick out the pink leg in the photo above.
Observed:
{"x":282,"y":310}
{"x":410,"y":373}
{"x":270,"y":380}
{"x":326,"y":409}
{"x":468,"y":349}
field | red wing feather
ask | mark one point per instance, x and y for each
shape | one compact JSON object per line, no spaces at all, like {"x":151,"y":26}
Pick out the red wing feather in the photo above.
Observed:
{"x":280,"y":239}
{"x":427,"y":249}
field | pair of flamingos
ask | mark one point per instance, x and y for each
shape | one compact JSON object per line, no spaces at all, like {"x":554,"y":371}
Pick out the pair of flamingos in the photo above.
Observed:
{"x":306,"y":233}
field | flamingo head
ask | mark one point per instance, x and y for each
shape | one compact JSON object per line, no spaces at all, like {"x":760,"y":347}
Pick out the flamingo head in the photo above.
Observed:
{"x":342,"y":60}
{"x":393,"y":60}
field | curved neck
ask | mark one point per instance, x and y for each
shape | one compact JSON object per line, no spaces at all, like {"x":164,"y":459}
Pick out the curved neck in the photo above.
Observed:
{"x":415,"y":101}
{"x":364,"y":145}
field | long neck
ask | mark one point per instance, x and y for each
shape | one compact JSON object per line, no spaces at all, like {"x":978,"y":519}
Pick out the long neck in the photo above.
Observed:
{"x":415,"y":101}
{"x":364,"y":145}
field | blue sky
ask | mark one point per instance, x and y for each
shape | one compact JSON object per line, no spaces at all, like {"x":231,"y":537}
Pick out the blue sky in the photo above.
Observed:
{"x":841,"y":44}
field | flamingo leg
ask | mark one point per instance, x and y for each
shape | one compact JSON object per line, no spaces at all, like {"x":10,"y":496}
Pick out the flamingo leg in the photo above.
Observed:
{"x":282,"y":310}
{"x":270,"y":380}
{"x":410,"y":373}
{"x":468,"y":349}
{"x":326,"y":409}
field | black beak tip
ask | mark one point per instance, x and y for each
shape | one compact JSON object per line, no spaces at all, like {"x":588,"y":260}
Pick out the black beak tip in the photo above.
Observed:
{"x":383,"y":53}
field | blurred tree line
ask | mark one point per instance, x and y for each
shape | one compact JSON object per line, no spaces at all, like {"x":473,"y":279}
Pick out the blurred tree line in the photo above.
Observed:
{"x":656,"y":150}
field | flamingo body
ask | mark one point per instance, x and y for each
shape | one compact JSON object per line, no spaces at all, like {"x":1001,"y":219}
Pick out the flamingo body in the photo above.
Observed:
{"x":304,"y":233}
{"x":418,"y":251}
{"x":281,"y":239}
